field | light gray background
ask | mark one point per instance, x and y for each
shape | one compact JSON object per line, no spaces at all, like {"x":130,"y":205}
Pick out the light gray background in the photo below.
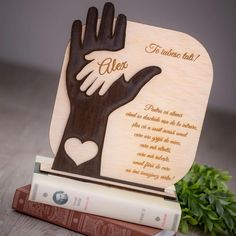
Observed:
{"x":35,"y":33}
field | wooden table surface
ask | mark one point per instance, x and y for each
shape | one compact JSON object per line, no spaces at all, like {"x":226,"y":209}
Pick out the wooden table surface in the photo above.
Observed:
{"x":26,"y":102}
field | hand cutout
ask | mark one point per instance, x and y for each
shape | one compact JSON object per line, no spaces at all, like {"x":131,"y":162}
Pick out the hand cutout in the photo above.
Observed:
{"x":104,"y":69}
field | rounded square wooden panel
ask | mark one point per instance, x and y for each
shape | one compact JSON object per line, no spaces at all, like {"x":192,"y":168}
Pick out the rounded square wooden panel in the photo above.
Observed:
{"x":151,"y":121}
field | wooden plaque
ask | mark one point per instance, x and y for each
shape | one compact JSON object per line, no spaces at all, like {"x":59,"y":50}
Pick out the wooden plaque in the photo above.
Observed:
{"x":130,"y":103}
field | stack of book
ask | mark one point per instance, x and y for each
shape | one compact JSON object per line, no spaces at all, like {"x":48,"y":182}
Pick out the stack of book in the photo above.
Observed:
{"x":94,"y":209}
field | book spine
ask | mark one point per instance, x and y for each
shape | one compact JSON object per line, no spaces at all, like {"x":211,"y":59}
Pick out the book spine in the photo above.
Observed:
{"x":106,"y":201}
{"x":79,"y":222}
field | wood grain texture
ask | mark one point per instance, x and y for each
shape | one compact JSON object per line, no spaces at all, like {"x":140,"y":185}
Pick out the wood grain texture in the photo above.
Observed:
{"x":25,"y":113}
{"x":167,"y":70}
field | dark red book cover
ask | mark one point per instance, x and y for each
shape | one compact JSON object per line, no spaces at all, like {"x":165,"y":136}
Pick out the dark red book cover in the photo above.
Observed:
{"x":83,"y":223}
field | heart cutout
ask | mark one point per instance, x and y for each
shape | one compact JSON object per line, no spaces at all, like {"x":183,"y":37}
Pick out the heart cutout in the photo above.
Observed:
{"x":80,"y":152}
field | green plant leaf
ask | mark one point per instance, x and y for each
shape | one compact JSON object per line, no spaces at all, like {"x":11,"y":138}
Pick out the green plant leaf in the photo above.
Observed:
{"x":209,"y":224}
{"x":206,"y":201}
{"x":184,"y":227}
{"x":224,"y":202}
{"x":218,"y":227}
{"x":192,"y":221}
{"x":212,"y":215}
{"x":196,"y":210}
{"x":228,"y":220}
{"x":219,"y":209}
{"x":231,"y":212}
{"x":211,"y":198}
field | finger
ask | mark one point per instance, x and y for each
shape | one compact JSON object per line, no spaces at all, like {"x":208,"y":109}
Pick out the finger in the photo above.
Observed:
{"x":85,"y":71}
{"x":88,"y":81}
{"x":96,"y":84}
{"x":93,"y":55}
{"x":91,"y":28}
{"x":104,"y":88}
{"x":75,"y":45}
{"x":106,"y":25}
{"x":119,"y":33}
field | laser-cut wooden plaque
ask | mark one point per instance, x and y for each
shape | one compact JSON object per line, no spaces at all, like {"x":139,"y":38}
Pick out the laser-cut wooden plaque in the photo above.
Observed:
{"x":130,"y":103}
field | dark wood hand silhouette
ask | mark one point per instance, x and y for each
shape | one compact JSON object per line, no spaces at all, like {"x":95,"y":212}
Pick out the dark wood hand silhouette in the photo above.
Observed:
{"x":89,"y":114}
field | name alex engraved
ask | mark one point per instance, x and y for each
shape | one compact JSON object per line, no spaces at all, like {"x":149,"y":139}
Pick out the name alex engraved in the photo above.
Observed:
{"x":109,"y":65}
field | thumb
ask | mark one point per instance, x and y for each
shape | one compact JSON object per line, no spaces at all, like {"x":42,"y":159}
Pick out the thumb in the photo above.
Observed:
{"x":102,"y":54}
{"x":141,"y":78}
{"x":93,"y":55}
{"x":122,"y":92}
